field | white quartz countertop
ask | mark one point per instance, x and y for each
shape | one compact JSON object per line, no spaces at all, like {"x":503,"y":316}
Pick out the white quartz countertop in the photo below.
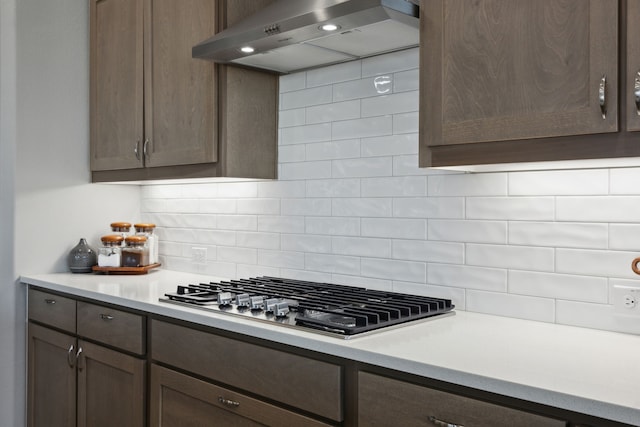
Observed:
{"x":583,"y":370}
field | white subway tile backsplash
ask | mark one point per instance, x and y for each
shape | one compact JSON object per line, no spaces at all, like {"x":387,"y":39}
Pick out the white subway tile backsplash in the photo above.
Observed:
{"x":429,"y":207}
{"x":344,"y":149}
{"x":391,"y":145}
{"x":490,"y":184}
{"x":422,"y":250}
{"x":366,"y":167}
{"x":362,"y":246}
{"x":508,"y":305}
{"x":365,"y":207}
{"x":352,"y":206}
{"x":394,"y":269}
{"x":394,"y":228}
{"x":334,"y":74}
{"x":468,"y":277}
{"x":332,"y":226}
{"x":559,"y":286}
{"x":467,"y":231}
{"x":595,"y":263}
{"x":552,"y":183}
{"x":362,"y":128}
{"x":601,"y":209}
{"x":559,"y":234}
{"x":403,"y":102}
{"x":395,"y":186}
{"x":516,"y":257}
{"x":347,"y":187}
{"x":515,"y":208}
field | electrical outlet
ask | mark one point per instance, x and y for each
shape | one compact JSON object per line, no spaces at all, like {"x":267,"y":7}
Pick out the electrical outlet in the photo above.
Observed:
{"x":626,"y":300}
{"x":199,"y":255}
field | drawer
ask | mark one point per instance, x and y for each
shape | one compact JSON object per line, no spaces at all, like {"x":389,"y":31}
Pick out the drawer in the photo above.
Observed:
{"x":52,"y":310}
{"x":383,"y":402}
{"x":178,"y":399}
{"x":112,"y":327}
{"x":304,"y":383}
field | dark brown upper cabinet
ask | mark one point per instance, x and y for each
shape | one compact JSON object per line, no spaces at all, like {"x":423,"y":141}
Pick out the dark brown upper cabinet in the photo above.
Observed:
{"x":157,"y":113}
{"x":510,"y":81}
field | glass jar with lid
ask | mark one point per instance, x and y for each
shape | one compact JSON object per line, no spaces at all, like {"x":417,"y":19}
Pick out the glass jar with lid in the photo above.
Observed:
{"x":110,"y":254}
{"x":135,"y":253}
{"x":147,"y":230}
{"x":122,"y":228}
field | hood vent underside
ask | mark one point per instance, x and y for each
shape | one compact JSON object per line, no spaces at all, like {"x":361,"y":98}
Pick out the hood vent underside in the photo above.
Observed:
{"x":290,"y":35}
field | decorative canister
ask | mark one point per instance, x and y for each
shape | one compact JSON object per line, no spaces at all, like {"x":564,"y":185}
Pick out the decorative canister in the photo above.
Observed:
{"x":110,"y":254}
{"x":146,"y":230}
{"x":82,"y":257}
{"x":136,"y":253}
{"x":121,"y":228}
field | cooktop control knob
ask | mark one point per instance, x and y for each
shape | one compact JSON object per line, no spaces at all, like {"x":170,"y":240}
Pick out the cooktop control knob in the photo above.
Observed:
{"x":270,"y":304}
{"x":242,"y":300}
{"x":256,"y":303}
{"x":224,"y":298}
{"x":281,"y":309}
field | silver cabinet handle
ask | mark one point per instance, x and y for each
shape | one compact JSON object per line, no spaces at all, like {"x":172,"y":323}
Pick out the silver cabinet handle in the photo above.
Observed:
{"x":441,"y":423}
{"x":70,"y":360}
{"x":145,"y":149}
{"x":78,"y":354}
{"x":636,"y":92}
{"x":50,"y":301}
{"x":602,"y":96}
{"x":106,"y":317}
{"x":136,"y":149}
{"x":228,"y":402}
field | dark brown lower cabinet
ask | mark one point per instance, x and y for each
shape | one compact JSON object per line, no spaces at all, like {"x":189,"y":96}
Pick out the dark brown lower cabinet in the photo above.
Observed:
{"x":181,"y":400}
{"x":72,"y":382}
{"x":384,"y":401}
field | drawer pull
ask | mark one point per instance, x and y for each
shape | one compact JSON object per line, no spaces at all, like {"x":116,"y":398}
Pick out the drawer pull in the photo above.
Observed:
{"x":441,"y":423}
{"x":228,"y":402}
{"x":50,"y":301}
{"x":70,"y":359}
{"x":106,"y":317}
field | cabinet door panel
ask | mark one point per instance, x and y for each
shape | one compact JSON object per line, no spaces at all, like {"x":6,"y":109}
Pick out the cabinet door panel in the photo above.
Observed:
{"x":180,"y":92}
{"x":51,"y":378}
{"x":387,"y":402}
{"x":496,"y":70}
{"x":110,"y":388}
{"x":116,"y":84}
{"x":633,"y":65}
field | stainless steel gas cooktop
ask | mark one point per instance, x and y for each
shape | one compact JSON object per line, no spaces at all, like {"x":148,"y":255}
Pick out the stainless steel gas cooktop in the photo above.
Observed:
{"x":336,"y":310}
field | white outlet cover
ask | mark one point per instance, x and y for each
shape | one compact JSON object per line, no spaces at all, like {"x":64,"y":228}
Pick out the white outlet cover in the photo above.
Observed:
{"x":622,"y":297}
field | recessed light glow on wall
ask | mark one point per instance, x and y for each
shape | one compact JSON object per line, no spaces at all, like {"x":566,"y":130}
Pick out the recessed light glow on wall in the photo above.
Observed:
{"x":247,"y":49}
{"x":329,"y":27}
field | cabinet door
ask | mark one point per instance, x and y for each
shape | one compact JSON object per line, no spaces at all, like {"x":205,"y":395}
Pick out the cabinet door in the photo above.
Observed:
{"x":388,"y":402}
{"x":110,"y":388}
{"x":178,"y":399}
{"x":51,"y":378}
{"x":116,"y":84}
{"x":632,"y":94}
{"x":180,"y":92}
{"x":499,"y":70}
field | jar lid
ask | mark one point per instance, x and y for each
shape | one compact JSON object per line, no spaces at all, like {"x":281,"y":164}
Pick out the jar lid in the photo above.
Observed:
{"x":126,"y":225}
{"x":135,"y":240}
{"x":144,"y":225}
{"x":112,"y":238}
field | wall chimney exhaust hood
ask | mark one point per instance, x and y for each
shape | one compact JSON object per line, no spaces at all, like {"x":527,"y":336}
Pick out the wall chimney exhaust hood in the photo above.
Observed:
{"x":295,"y":35}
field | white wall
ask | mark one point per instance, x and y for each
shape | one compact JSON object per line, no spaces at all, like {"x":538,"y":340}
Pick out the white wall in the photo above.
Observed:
{"x":54,"y":203}
{"x":352,"y":207}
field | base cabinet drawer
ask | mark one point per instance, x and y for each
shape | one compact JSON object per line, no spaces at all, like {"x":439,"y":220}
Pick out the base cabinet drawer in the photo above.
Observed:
{"x":180,"y":400}
{"x":387,"y":402}
{"x":117,"y":328}
{"x":52,"y":310}
{"x":301,"y":382}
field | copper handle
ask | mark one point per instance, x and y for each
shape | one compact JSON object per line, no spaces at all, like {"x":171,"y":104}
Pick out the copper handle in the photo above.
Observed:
{"x":634,"y":265}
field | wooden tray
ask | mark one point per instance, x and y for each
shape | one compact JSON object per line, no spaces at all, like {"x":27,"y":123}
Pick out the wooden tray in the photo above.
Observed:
{"x":125,"y":270}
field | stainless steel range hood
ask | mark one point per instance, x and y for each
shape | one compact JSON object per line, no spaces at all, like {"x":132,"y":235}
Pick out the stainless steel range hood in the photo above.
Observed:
{"x":288,"y":35}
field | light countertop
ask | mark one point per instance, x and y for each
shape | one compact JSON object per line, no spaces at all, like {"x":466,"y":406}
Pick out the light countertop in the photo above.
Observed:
{"x":583,"y":370}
